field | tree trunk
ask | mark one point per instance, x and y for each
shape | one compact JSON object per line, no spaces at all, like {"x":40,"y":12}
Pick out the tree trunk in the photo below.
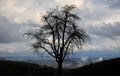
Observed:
{"x":59,"y":72}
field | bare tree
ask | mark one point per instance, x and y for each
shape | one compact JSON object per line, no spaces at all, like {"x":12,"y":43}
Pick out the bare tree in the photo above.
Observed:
{"x":59,"y":34}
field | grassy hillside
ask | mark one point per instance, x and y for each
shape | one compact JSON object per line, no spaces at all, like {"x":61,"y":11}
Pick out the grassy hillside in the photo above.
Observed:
{"x":105,"y":68}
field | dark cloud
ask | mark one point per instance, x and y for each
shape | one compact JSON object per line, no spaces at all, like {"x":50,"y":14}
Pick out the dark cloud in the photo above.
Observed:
{"x":113,"y":3}
{"x":97,"y":11}
{"x":105,"y":30}
{"x":110,"y":3}
{"x":9,"y":32}
{"x":98,"y":2}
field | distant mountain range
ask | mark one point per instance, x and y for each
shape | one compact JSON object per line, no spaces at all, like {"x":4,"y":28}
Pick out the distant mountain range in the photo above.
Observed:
{"x":77,"y":59}
{"x":92,"y":54}
{"x":69,"y":62}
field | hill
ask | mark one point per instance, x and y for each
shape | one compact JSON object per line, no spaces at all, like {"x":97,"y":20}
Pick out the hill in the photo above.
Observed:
{"x":12,"y":68}
{"x":105,"y":68}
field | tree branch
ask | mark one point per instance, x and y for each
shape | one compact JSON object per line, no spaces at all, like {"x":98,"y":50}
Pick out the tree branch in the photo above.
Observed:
{"x":47,"y":51}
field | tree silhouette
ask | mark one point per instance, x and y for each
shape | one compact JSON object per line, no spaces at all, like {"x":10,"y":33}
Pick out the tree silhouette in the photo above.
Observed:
{"x":59,"y":35}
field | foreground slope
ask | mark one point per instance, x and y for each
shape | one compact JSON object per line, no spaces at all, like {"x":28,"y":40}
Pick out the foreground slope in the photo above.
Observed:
{"x":105,"y":68}
{"x":12,"y":68}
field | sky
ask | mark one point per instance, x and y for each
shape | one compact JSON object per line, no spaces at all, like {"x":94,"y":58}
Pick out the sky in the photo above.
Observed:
{"x":100,"y":19}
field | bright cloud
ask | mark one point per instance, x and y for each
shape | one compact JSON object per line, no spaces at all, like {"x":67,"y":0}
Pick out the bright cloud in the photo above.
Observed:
{"x":18,"y":11}
{"x":77,"y":3}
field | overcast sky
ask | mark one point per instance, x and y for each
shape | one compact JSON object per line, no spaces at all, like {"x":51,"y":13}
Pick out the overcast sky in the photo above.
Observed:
{"x":101,"y":19}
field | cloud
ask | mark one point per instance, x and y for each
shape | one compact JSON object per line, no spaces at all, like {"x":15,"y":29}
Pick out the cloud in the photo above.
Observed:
{"x":77,"y":3}
{"x":18,"y":11}
{"x":110,"y":30}
{"x":92,"y":11}
{"x":110,"y":3}
{"x":99,"y":43}
{"x":104,"y":36}
{"x":97,"y":11}
{"x":114,"y":4}
{"x":101,"y":16}
{"x":15,"y":49}
{"x":9,"y":32}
